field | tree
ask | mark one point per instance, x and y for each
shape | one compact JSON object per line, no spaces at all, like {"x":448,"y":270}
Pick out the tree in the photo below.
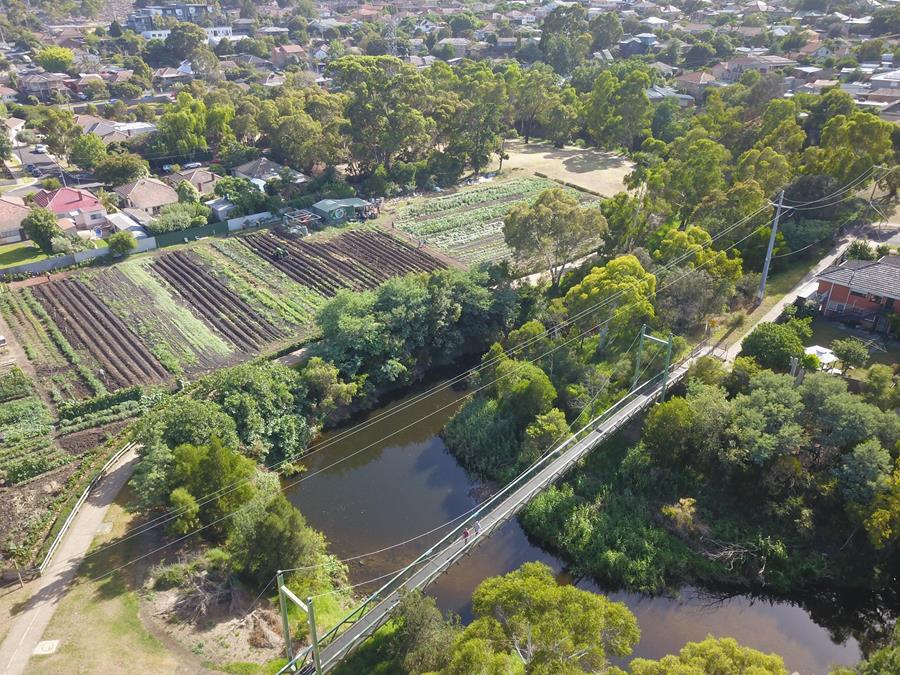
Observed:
{"x":181,"y":130}
{"x":851,"y":352}
{"x":185,"y":38}
{"x":542,"y":434}
{"x":179,"y":216}
{"x":531,"y":96}
{"x":121,"y":169}
{"x":883,"y":521}
{"x":882,"y":388}
{"x":272,"y":535}
{"x":695,"y":168}
{"x":186,"y":507}
{"x":618,"y":111}
{"x":553,"y":230}
{"x":41,"y":227}
{"x":56,"y":59}
{"x":242,"y":193}
{"x":187,"y":193}
{"x":850,"y":146}
{"x":121,"y":243}
{"x":59,"y":130}
{"x":6,"y":148}
{"x":547,"y":626}
{"x":768,"y":168}
{"x":606,"y":30}
{"x":87,"y":151}
{"x":616,"y":298}
{"x":423,"y":634}
{"x":668,"y":431}
{"x":713,"y":655}
{"x":860,"y":249}
{"x":772,"y":345}
{"x":864,"y":472}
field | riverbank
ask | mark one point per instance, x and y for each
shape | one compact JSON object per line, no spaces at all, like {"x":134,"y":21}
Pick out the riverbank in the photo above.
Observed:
{"x":409,"y":484}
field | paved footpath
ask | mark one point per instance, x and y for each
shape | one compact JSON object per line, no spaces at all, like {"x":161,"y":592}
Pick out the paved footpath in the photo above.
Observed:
{"x":28,"y":627}
{"x":809,"y":278}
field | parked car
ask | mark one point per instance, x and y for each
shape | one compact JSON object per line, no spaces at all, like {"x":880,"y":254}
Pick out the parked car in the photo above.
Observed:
{"x":36,"y":171}
{"x":192,"y":165}
{"x":40,"y":149}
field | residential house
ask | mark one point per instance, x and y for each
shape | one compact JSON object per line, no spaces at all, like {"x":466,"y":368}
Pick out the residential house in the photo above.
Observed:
{"x":287,"y":54}
{"x":459,"y":45}
{"x":8,"y":95}
{"x":888,"y":80}
{"x":245,"y":27}
{"x":658,"y":93}
{"x":695,"y":83}
{"x":12,"y":212}
{"x":203,"y":180}
{"x":147,"y":17}
{"x":12,"y":126}
{"x":78,"y":205}
{"x":863,"y":291}
{"x":261,"y":171}
{"x":42,"y":85}
{"x":731,"y":71}
{"x":147,"y":194}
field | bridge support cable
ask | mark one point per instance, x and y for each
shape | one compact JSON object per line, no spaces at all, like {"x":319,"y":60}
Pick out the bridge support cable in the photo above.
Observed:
{"x":371,"y":614}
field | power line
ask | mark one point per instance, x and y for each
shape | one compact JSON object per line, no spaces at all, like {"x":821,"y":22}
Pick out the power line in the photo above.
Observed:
{"x":350,"y":456}
{"x":164,"y":518}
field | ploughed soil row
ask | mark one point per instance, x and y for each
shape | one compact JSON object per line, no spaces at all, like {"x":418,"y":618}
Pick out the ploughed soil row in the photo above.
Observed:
{"x":124,"y":358}
{"x":223,"y":309}
{"x":357,"y":259}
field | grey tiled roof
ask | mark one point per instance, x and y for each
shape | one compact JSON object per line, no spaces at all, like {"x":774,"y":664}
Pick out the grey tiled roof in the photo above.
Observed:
{"x":879,"y":277}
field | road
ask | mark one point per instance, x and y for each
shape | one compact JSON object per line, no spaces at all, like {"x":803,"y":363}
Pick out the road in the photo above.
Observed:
{"x":29,"y":626}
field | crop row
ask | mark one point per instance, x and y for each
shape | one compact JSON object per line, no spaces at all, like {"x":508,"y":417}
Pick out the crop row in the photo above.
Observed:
{"x":481,"y":194}
{"x":261,"y":284}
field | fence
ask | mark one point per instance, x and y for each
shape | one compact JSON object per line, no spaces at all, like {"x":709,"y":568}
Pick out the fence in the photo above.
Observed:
{"x":81,"y":500}
{"x":182,"y":236}
{"x":145,"y":244}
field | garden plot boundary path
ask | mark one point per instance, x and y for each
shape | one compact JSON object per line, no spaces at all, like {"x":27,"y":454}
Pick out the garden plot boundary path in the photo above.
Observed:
{"x":28,"y":627}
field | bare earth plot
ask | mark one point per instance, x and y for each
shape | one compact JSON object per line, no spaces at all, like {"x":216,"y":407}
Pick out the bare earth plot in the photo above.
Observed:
{"x":587,"y":168}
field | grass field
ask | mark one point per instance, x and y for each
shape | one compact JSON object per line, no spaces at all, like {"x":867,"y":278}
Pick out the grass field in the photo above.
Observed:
{"x":19,"y":254}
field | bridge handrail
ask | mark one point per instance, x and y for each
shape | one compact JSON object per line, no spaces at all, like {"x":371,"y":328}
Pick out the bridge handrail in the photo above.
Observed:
{"x":429,"y":554}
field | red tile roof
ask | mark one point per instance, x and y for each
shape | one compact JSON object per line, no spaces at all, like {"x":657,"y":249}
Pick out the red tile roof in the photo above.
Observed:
{"x":66,"y":200}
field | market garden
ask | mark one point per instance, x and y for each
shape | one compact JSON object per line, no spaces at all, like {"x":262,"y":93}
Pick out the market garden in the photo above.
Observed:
{"x":468,"y":224}
{"x":102,"y":338}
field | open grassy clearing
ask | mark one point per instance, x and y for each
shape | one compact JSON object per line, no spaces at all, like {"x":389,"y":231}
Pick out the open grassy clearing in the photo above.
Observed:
{"x":20,"y":254}
{"x":587,"y":168}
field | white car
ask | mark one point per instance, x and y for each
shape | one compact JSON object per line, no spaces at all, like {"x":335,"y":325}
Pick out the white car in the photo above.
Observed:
{"x":40,"y":149}
{"x":192,"y":165}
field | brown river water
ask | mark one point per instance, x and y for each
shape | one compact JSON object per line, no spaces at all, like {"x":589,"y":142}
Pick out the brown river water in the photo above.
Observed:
{"x":408,"y":483}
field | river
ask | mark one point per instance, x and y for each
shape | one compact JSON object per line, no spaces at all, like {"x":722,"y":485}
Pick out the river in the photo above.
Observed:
{"x":407,"y":483}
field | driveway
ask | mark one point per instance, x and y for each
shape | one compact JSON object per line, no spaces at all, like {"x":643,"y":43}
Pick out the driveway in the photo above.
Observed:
{"x":28,"y":627}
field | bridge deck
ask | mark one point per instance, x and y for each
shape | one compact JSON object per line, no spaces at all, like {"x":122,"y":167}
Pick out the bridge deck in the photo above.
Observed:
{"x":435,"y":565}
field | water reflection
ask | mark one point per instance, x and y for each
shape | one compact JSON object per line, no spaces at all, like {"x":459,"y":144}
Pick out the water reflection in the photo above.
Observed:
{"x":409,"y":483}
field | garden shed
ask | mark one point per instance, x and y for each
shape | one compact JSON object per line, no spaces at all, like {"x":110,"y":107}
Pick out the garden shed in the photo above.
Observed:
{"x":333,"y":211}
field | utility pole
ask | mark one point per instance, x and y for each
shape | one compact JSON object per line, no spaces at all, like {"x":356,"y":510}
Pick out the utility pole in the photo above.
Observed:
{"x":765,"y":272}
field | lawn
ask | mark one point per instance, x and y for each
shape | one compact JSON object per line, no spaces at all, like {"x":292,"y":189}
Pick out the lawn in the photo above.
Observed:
{"x":117,"y":641}
{"x":20,"y":254}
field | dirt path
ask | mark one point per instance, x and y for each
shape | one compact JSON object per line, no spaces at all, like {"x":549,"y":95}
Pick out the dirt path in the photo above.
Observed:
{"x":28,"y":627}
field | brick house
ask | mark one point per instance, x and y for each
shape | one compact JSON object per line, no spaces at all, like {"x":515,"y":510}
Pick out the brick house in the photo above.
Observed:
{"x":80,"y":206}
{"x":147,"y":194}
{"x":863,"y":291}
